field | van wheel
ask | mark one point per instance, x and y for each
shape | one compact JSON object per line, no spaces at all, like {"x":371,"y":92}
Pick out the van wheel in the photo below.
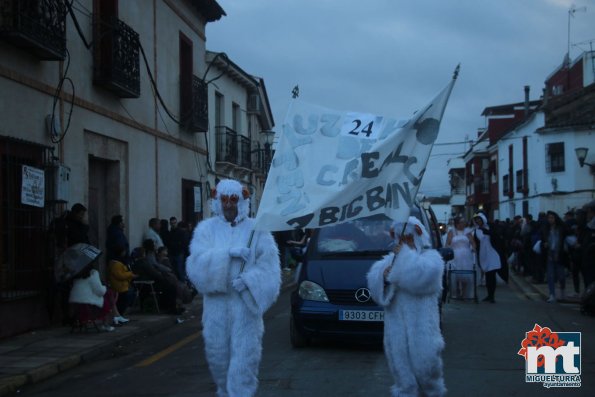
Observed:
{"x":297,"y":339}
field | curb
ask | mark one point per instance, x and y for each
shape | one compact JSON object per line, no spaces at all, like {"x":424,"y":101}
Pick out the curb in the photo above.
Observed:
{"x":526,"y":287}
{"x":11,"y":384}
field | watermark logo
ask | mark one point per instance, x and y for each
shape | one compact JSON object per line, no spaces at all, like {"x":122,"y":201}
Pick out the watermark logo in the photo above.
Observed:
{"x":552,"y":358}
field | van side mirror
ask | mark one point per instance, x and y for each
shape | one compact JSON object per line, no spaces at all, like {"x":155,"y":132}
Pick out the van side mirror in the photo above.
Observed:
{"x":447,"y":254}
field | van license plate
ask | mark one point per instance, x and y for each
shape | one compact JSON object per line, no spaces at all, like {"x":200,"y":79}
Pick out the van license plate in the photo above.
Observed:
{"x":361,"y":315}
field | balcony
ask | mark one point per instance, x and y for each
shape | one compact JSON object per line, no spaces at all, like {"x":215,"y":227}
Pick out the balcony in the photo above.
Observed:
{"x":226,"y":145}
{"x":261,"y":159}
{"x":116,"y":57}
{"x":37,"y":25}
{"x":245,"y":160}
{"x":194,"y":105}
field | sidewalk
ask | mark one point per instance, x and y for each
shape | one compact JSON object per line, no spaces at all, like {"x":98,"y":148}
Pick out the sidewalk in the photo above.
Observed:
{"x":38,"y":355}
{"x":541,"y":291}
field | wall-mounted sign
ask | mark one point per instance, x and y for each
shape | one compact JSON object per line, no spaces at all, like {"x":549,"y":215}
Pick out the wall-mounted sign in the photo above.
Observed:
{"x":33,"y":187}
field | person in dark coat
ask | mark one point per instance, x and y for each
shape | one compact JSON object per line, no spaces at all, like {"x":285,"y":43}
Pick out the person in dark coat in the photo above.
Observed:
{"x":553,"y":254}
{"x":77,"y":229}
{"x":179,"y":240}
{"x":68,"y":230}
{"x":115,"y":238}
{"x":164,"y":232}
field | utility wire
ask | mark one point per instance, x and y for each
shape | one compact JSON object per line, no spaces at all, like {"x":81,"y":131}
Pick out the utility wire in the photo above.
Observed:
{"x":88,"y":13}
{"x":87,"y":44}
{"x":156,"y":93}
{"x":57,"y":96}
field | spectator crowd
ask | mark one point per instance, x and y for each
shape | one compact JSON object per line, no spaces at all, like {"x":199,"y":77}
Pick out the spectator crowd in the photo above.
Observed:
{"x":548,"y":249}
{"x":92,"y":296}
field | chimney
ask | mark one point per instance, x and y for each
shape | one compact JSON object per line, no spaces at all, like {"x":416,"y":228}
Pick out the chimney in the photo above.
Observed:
{"x":526,"y":101}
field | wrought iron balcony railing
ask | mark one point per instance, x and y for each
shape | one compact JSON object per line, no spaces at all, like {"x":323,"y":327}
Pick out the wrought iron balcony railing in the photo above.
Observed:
{"x":39,"y":25}
{"x":258,"y":159}
{"x":261,"y":159}
{"x":116,"y":57}
{"x":245,"y":160}
{"x":227,"y":145}
{"x":194,"y":105}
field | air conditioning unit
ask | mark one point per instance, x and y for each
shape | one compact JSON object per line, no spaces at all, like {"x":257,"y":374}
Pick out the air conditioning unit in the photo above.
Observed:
{"x":254,"y":104}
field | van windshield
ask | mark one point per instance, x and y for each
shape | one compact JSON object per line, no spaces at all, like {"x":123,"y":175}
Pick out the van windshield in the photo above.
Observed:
{"x":371,"y":234}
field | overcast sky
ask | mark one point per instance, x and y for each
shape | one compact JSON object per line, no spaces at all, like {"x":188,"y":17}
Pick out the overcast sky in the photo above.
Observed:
{"x":391,"y":57}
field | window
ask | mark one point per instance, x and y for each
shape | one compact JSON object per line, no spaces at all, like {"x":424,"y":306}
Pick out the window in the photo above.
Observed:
{"x":116,"y":51}
{"x":236,"y":117}
{"x":554,"y":157}
{"x":493,"y":172}
{"x":219,"y":110}
{"x":485,"y":163}
{"x":519,"y":180}
{"x":192,"y":208}
{"x":485,"y":182}
{"x":505,"y":184}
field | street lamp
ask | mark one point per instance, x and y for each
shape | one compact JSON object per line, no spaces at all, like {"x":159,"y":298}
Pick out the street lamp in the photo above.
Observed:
{"x":581,"y":155}
{"x":268,"y":140}
{"x":268,"y":135}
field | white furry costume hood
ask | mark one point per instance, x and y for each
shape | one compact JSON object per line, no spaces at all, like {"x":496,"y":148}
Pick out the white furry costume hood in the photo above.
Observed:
{"x":229,"y":187}
{"x":409,"y":294}
{"x":414,"y":227}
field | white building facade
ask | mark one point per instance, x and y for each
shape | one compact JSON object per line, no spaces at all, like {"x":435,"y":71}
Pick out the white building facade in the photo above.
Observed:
{"x":107,"y":103}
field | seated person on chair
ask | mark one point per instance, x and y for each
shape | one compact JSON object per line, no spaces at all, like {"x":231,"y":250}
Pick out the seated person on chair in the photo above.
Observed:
{"x":183,"y":292}
{"x":148,"y":268}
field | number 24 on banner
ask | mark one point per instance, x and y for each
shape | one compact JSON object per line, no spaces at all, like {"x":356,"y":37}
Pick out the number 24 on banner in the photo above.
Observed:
{"x":361,"y":125}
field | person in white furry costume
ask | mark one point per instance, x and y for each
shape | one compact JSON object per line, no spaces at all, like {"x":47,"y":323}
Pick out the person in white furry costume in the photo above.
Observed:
{"x":239,"y":279}
{"x":408,"y":287}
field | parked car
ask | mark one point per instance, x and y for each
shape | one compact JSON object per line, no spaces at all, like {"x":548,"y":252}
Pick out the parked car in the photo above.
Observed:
{"x":331,"y":299}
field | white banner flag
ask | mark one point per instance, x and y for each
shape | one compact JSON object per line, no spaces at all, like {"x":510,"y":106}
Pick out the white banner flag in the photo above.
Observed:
{"x":331,"y":167}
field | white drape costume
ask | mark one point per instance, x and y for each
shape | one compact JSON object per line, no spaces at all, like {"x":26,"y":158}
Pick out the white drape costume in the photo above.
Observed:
{"x":488,"y":256}
{"x":233,"y":302}
{"x":412,"y":339}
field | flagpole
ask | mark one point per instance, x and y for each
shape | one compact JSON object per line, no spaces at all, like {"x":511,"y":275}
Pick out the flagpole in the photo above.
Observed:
{"x":455,"y":75}
{"x":249,"y":245}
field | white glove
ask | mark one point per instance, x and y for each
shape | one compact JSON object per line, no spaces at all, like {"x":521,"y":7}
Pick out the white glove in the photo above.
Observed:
{"x":240,"y":252}
{"x":238,"y":284}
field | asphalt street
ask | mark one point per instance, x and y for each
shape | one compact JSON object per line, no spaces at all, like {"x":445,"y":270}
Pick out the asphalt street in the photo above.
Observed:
{"x":482,"y":341}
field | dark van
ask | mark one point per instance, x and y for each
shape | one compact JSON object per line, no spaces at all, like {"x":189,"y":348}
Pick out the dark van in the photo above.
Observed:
{"x":332,"y":299}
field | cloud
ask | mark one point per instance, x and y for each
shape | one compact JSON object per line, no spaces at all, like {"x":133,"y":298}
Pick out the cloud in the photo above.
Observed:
{"x":391,"y":57}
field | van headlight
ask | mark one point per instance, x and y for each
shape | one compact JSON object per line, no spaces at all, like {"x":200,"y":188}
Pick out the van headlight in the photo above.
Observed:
{"x":312,"y":292}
